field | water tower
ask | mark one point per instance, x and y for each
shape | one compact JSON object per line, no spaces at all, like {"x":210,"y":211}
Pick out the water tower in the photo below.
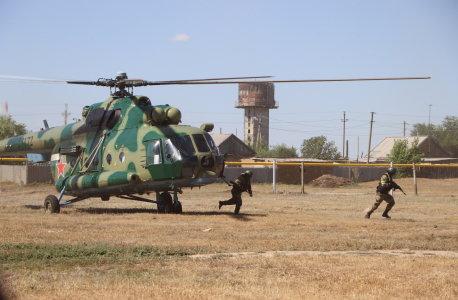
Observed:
{"x":257,"y":99}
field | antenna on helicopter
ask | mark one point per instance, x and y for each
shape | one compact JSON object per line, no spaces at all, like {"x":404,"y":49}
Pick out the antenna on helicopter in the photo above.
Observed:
{"x":121,"y":75}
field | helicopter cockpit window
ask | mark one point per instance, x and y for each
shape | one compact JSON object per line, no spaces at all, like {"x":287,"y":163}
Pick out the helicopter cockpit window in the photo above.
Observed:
{"x":170,"y":151}
{"x":153,"y":153}
{"x":184,"y":145}
{"x":201,"y":143}
{"x":212,"y":144}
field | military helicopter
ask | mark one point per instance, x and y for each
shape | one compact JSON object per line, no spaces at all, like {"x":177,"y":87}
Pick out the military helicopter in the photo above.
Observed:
{"x":126,"y":147}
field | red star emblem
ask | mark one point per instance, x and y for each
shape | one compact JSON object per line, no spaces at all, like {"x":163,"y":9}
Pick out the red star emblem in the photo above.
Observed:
{"x":60,"y":167}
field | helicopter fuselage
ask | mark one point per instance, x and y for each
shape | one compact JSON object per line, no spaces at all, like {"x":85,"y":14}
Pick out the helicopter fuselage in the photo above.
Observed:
{"x":123,"y":146}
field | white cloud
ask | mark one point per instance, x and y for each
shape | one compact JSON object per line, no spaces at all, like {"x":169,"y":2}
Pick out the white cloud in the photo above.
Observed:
{"x":180,"y":38}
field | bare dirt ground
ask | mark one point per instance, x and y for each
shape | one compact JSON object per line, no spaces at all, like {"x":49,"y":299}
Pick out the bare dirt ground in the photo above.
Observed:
{"x":329,"y":181}
{"x":281,"y":246}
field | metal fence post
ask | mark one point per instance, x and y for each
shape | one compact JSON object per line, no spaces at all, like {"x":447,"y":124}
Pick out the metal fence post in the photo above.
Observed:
{"x":274,"y":179}
{"x":302,"y":178}
{"x":414,"y":180}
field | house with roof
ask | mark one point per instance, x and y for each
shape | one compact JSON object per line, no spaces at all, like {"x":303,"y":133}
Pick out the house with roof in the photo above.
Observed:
{"x":231,"y":145}
{"x":434,"y":153}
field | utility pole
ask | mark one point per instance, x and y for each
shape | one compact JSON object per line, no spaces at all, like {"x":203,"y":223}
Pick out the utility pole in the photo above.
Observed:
{"x":258,"y":139}
{"x":404,"y":128}
{"x":66,"y":114}
{"x":370,"y":136}
{"x":429,"y":131}
{"x":357,"y":150}
{"x":343,"y":139}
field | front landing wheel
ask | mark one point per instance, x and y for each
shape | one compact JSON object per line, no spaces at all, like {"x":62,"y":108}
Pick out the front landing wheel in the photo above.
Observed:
{"x":51,"y":205}
{"x":177,"y":209}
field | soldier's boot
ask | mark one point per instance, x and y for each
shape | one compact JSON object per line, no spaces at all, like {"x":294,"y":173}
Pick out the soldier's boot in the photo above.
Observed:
{"x":385,"y":214}
{"x":237,"y":209}
{"x":220,"y":204}
{"x":368,"y":215}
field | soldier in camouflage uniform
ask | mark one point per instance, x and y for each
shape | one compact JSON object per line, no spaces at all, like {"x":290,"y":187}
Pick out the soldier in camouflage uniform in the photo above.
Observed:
{"x":385,"y":185}
{"x":241,"y":184}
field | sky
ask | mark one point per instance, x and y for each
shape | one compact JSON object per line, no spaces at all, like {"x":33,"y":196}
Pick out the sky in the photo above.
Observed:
{"x":173,"y":40}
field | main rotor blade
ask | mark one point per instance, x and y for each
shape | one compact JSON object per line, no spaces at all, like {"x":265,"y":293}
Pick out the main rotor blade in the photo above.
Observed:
{"x":7,"y":78}
{"x":210,"y":79}
{"x":281,"y":81}
{"x":82,"y":82}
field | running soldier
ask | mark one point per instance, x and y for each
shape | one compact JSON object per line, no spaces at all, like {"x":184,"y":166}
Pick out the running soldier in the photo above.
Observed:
{"x":241,"y":184}
{"x":385,"y":185}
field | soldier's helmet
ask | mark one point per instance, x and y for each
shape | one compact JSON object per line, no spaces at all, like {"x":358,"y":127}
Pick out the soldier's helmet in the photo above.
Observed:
{"x":249,"y":173}
{"x":392,"y":170}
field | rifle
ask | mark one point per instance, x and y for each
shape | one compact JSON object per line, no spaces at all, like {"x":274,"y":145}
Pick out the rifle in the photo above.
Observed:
{"x":397,"y":187}
{"x":222,"y":177}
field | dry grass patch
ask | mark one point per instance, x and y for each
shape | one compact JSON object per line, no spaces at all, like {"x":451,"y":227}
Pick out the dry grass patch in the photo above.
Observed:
{"x":337,"y":277}
{"x":93,"y":249}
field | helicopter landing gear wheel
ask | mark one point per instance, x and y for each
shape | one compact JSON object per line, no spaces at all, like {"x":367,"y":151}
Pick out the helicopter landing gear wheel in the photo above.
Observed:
{"x":178,"y":209}
{"x":166,"y":205}
{"x":51,"y":205}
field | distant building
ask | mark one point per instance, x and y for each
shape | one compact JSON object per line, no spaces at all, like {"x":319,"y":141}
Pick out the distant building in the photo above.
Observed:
{"x":233,"y":146}
{"x":434,"y":153}
{"x":257,"y":99}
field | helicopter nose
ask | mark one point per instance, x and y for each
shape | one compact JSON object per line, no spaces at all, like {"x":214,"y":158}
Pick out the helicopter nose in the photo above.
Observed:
{"x":207,"y":161}
{"x":202,"y":166}
{"x":190,"y":167}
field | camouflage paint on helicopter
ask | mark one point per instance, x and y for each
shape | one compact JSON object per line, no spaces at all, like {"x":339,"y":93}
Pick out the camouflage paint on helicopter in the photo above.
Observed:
{"x":124,"y":146}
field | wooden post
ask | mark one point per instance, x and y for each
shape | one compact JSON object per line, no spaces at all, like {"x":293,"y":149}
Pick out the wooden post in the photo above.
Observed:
{"x":414,"y":180}
{"x":274,"y":179}
{"x":302,"y":178}
{"x":357,"y":150}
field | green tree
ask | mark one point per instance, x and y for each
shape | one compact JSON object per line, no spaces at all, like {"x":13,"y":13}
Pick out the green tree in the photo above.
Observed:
{"x":278,"y":150}
{"x":402,"y":154}
{"x":446,"y":134}
{"x":319,"y":148}
{"x":282,"y":150}
{"x":8,"y":126}
{"x":261,"y":148}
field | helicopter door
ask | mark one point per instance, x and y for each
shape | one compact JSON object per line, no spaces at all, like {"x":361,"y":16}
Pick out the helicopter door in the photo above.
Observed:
{"x":154,"y":160}
{"x":172,"y":159}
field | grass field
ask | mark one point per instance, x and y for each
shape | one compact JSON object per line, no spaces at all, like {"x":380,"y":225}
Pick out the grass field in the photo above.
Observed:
{"x":126,"y":249}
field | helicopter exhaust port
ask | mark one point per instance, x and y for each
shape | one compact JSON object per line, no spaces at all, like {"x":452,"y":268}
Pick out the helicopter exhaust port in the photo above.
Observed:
{"x":173,"y":115}
{"x":155,"y":115}
{"x":133,"y":178}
